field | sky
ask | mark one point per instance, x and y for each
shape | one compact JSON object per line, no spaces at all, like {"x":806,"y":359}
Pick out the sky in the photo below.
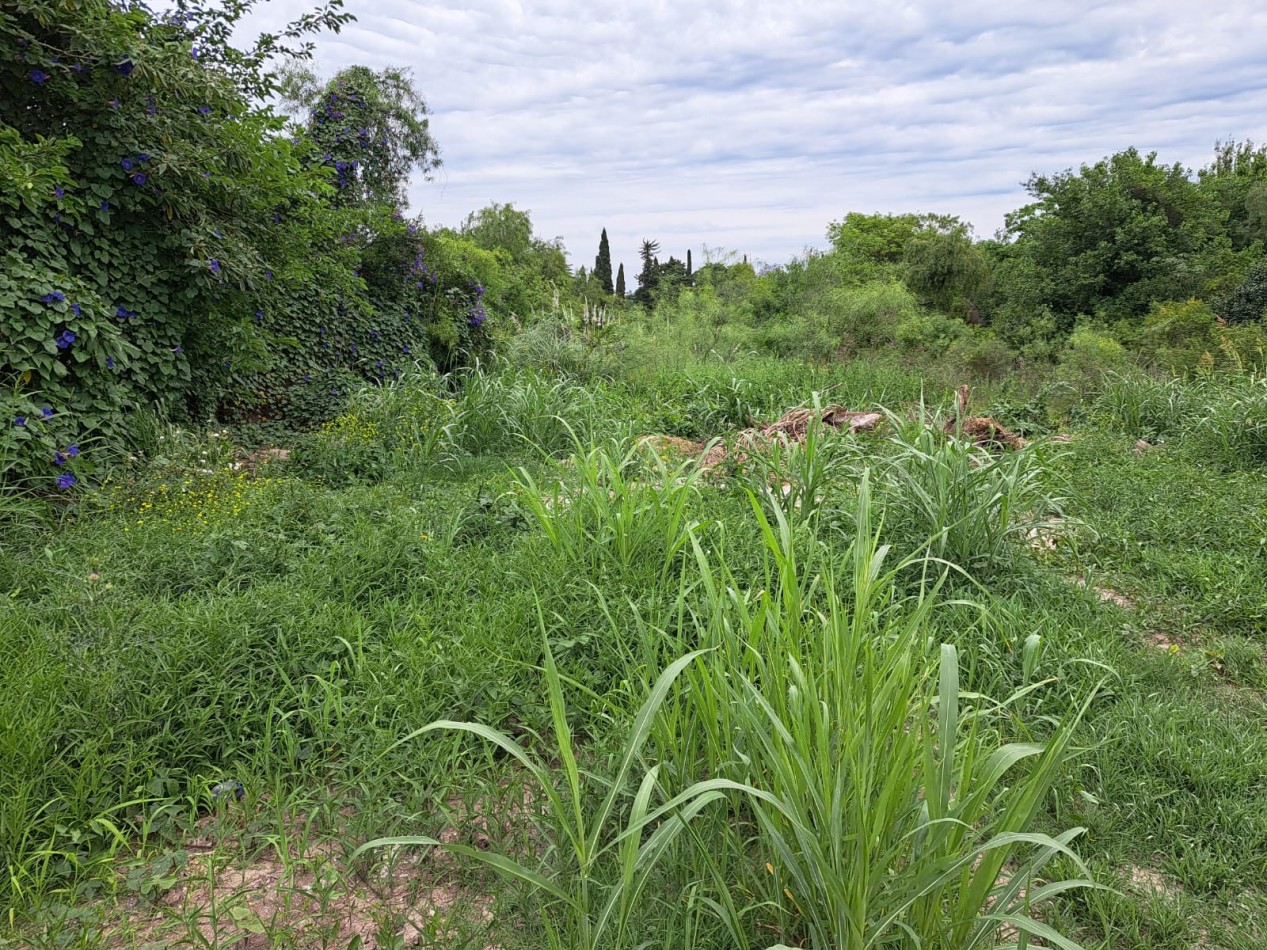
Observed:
{"x":747,"y":127}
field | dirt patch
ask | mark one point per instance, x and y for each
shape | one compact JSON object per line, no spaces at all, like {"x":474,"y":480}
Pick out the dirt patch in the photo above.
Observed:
{"x":262,"y":457}
{"x":218,"y":894}
{"x":672,"y":445}
{"x":1163,"y":641}
{"x":1150,"y":881}
{"x":1142,"y":446}
{"x":1107,"y":595}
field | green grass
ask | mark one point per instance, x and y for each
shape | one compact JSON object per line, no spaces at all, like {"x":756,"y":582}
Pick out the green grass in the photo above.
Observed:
{"x":698,"y":709}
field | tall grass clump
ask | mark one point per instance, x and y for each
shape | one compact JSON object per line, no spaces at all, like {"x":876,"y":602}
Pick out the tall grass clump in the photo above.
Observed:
{"x":612,"y":511}
{"x":890,"y":810}
{"x":1143,"y":406}
{"x":960,"y":502}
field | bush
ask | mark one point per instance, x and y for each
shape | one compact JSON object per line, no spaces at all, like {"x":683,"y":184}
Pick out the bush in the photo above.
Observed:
{"x":983,"y":356}
{"x":930,"y":331}
{"x":867,"y":316}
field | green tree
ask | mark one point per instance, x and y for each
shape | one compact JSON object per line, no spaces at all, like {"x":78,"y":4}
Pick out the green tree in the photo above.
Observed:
{"x":369,"y":128}
{"x":1236,"y":181}
{"x":943,"y":267}
{"x":648,"y":275}
{"x":603,"y":264}
{"x":1115,"y":236}
{"x":620,"y":282}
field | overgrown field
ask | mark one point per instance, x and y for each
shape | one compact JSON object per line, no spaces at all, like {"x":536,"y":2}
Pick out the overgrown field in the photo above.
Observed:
{"x":493,"y":669}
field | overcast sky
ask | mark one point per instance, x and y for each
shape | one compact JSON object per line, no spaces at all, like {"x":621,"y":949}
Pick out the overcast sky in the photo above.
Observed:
{"x":748,"y":126}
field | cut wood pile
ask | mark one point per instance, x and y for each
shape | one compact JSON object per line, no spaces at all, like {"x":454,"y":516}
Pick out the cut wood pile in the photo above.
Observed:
{"x":793,"y":426}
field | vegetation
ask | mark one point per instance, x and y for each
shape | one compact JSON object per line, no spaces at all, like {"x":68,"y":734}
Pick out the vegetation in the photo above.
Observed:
{"x":369,"y":583}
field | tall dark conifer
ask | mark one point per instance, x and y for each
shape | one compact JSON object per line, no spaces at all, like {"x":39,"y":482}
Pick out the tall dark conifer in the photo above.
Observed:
{"x":689,"y":270}
{"x":620,"y":281}
{"x":603,"y":263}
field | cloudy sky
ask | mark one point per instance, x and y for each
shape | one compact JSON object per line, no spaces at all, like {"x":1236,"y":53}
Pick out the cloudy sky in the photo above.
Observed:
{"x":748,"y":126}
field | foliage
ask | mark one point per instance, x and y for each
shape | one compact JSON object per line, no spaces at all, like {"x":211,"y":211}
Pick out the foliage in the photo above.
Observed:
{"x":370,"y":129}
{"x":1113,"y":237}
{"x":137,"y":249}
{"x":603,"y":265}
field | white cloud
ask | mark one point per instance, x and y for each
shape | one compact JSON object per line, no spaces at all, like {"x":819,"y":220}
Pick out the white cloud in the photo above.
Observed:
{"x":752,"y":125}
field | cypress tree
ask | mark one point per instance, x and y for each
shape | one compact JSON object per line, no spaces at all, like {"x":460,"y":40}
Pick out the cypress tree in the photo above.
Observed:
{"x":620,"y":281}
{"x":689,"y":269}
{"x":603,"y":263}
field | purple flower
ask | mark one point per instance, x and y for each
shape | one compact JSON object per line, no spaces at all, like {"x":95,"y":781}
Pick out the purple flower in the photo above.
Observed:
{"x":59,"y":459}
{"x":124,"y":68}
{"x":105,"y":206}
{"x":75,"y":308}
{"x":65,"y":480}
{"x":268,"y":275}
{"x":59,"y":193}
{"x":405,"y":349}
{"x":56,"y":295}
{"x":47,"y":412}
{"x":19,"y":421}
{"x":193,"y":51}
{"x":73,"y":450}
{"x":204,"y":110}
{"x":114,"y":103}
{"x":65,"y":339}
{"x":109,"y":362}
{"x":138,"y":179}
{"x":127,"y":164}
{"x":178,"y":349}
{"x":215,"y":266}
{"x":123,"y":313}
{"x":143,"y":157}
{"x":38,"y":76}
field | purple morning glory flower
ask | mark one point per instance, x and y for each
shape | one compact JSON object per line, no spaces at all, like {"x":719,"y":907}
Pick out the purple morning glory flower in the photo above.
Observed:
{"x":143,"y":157}
{"x":124,"y":68}
{"x":56,"y":295}
{"x":105,"y":206}
{"x":65,"y":339}
{"x":73,"y":451}
{"x":204,"y":110}
{"x":19,"y":421}
{"x":268,"y":275}
{"x":109,"y":362}
{"x":75,"y":308}
{"x":47,"y":412}
{"x":65,"y":480}
{"x":215,"y":266}
{"x":138,"y":179}
{"x":38,"y":76}
{"x":127,"y":164}
{"x":405,"y":349}
{"x":59,"y":192}
{"x":193,"y":51}
{"x":178,"y":349}
{"x":114,"y":103}
{"x":59,"y":459}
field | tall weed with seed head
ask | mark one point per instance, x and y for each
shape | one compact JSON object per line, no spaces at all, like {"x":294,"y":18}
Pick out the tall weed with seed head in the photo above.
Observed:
{"x":889,"y":811}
